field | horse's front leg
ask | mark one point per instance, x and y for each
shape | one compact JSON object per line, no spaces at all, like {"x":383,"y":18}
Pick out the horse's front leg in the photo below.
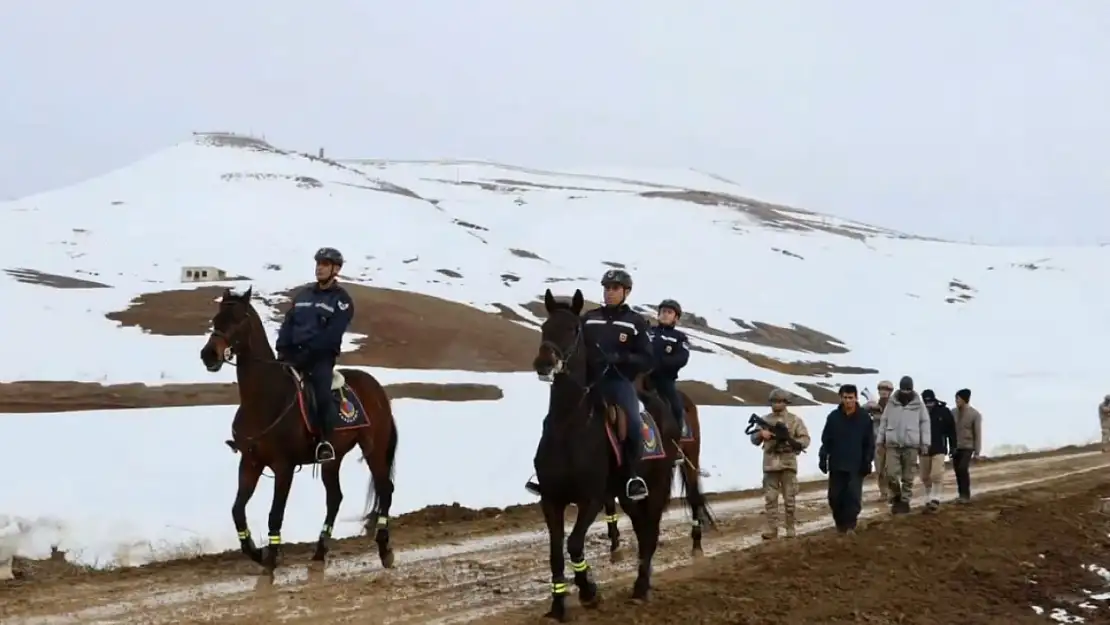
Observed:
{"x":283,"y":482}
{"x":329,"y":475}
{"x":249,"y":472}
{"x":611,"y":518}
{"x":576,"y":547}
{"x":553,"y":515}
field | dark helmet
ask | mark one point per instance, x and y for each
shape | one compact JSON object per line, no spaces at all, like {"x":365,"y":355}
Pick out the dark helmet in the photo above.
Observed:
{"x":672,"y":304}
{"x":617,"y":276}
{"x":329,"y":254}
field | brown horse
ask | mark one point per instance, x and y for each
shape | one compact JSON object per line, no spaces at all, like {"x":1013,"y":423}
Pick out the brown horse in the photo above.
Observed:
{"x":690,"y":467}
{"x":579,"y":460}
{"x":272,"y":429}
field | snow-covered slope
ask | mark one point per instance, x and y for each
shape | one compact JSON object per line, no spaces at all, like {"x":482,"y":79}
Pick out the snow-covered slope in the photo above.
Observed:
{"x":1020,"y":326}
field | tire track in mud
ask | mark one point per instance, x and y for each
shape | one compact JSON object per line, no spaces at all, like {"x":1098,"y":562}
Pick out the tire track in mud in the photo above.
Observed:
{"x":454,"y":583}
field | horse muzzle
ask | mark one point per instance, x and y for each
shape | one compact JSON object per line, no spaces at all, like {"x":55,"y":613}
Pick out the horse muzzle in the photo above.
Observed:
{"x":548,"y":373}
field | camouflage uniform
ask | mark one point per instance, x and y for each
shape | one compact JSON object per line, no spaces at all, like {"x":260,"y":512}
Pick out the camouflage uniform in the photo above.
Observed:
{"x":780,"y":471}
{"x":1104,"y":422}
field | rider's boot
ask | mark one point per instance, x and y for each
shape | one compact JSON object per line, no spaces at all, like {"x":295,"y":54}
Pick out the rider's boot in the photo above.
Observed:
{"x":636,"y":488}
{"x":324,"y":449}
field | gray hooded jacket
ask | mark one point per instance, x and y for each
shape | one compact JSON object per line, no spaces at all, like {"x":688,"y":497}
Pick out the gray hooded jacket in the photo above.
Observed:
{"x":904,"y":425}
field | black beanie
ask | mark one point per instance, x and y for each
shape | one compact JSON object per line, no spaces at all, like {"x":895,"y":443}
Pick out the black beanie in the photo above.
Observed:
{"x":964,"y":394}
{"x":928,"y":395}
{"x":905,"y":384}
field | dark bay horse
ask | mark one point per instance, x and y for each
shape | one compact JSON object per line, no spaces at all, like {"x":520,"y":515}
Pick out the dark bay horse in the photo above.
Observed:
{"x":689,"y":467}
{"x":271,"y":429}
{"x":576,"y":462}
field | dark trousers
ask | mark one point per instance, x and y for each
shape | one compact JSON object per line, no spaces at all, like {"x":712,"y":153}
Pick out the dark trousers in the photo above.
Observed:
{"x":669,"y":391}
{"x":845,"y":498}
{"x":318,"y":373}
{"x":961,"y":464}
{"x":619,"y":391}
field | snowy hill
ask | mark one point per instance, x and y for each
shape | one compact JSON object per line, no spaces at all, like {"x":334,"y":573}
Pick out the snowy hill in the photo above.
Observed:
{"x":778,"y":295}
{"x":447,"y":261}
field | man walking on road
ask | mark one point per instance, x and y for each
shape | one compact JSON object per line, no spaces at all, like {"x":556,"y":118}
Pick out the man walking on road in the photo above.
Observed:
{"x":875,"y":409}
{"x":847,"y":446}
{"x":942,"y":427}
{"x":904,"y":429}
{"x":1104,"y":422}
{"x":969,"y":441}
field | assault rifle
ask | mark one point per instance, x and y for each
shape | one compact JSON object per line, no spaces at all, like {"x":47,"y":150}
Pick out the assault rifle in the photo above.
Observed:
{"x":778,"y":431}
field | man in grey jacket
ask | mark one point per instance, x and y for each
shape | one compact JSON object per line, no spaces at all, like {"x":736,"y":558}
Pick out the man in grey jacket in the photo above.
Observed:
{"x":904,"y":429}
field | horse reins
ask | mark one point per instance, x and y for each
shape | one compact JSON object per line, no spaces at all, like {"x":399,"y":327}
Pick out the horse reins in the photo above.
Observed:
{"x":231,"y":346}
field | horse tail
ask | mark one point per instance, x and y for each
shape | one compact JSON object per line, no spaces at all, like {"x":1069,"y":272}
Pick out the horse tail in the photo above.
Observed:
{"x":692,"y":497}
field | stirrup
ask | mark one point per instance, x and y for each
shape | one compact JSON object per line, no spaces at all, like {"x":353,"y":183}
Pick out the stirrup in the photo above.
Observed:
{"x":324,"y":451}
{"x":532,"y":487}
{"x":628,"y":488}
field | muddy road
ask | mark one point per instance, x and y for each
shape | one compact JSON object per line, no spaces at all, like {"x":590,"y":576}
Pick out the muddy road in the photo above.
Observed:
{"x":494,"y":576}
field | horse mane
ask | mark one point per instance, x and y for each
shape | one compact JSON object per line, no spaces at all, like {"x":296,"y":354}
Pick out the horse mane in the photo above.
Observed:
{"x":253,"y":318}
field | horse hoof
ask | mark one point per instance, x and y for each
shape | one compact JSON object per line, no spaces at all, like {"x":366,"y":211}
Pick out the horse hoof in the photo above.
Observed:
{"x":387,"y":559}
{"x":697,"y":552}
{"x":616,"y":556}
{"x":590,"y":600}
{"x":320,"y":556}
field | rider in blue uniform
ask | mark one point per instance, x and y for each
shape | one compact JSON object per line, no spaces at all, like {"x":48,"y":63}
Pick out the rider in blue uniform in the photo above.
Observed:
{"x":618,"y":346}
{"x":672,"y":353}
{"x":311,"y":337}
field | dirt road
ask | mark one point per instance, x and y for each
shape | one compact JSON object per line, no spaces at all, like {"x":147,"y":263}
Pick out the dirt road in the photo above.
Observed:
{"x":495,"y":578}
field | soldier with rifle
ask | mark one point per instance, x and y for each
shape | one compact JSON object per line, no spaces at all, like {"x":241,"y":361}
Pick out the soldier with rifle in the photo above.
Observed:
{"x":783,"y":435}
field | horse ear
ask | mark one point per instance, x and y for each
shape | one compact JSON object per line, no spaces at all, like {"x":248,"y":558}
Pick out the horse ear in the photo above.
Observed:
{"x":247,"y":293}
{"x":549,"y":301}
{"x":578,"y":302}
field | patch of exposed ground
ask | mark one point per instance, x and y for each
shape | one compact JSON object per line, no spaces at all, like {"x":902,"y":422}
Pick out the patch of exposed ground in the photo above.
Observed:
{"x":770,"y":215}
{"x":32,"y":276}
{"x":526,"y":254}
{"x":822,"y":394}
{"x":787,"y":253}
{"x":43,"y":396}
{"x":959,"y":292}
{"x":757,"y":393}
{"x":450,"y":273}
{"x":302,"y":182}
{"x":815,"y":368}
{"x":180,"y":312}
{"x":405,"y":330}
{"x":797,"y":337}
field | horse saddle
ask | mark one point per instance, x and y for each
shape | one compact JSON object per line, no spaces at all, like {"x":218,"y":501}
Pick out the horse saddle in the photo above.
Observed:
{"x":337,"y":384}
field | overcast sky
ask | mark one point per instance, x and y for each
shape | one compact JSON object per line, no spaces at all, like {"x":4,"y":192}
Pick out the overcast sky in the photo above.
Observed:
{"x":956,"y":118}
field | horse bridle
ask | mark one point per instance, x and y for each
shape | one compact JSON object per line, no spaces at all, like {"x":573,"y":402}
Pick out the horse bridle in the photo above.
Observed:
{"x":561,"y":357}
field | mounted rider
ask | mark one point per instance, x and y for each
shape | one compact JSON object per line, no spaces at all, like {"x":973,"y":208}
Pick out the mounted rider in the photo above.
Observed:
{"x":618,"y":347}
{"x":672,"y":352}
{"x":311,"y":338}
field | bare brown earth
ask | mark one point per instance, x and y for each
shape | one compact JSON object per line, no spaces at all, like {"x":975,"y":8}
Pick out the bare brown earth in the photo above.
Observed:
{"x":408,"y":330}
{"x":966,"y":565}
{"x":44,"y":396}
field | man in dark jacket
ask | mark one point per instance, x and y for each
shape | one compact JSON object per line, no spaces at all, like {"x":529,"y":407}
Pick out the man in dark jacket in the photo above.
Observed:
{"x":311,"y":337}
{"x":942,"y":438}
{"x":672,"y":353}
{"x":847,"y":447}
{"x":618,"y":347}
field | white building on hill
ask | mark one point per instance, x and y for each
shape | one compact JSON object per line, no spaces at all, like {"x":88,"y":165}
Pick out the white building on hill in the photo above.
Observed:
{"x":202,"y":274}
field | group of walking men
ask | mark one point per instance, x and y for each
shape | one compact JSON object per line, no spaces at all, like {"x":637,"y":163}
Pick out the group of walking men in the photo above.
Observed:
{"x":895,"y":436}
